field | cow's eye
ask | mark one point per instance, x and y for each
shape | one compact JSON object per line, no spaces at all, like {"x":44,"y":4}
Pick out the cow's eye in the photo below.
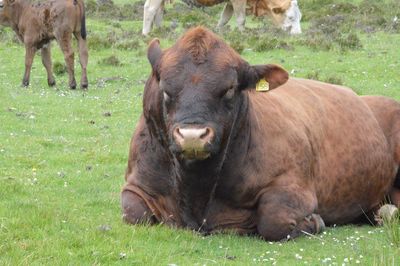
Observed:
{"x":166,"y":97}
{"x":277,"y":10}
{"x":229,"y":93}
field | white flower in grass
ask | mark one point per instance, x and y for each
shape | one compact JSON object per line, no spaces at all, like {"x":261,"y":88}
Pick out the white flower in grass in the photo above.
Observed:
{"x":298,"y":256}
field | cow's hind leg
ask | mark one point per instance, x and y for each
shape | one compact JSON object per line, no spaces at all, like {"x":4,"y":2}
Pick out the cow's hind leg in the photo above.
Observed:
{"x":158,"y":18}
{"x":395,"y":191}
{"x":239,"y":8}
{"x":30,"y":51}
{"x":226,"y":15}
{"x":46,"y":60}
{"x":287,"y":212}
{"x":83,"y":58}
{"x":65,"y":43}
{"x":134,"y":209}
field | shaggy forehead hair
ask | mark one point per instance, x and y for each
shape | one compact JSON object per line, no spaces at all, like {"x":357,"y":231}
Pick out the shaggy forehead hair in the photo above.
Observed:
{"x":199,"y":43}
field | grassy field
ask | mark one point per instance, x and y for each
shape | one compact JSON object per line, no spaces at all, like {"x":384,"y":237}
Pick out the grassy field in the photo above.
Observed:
{"x":63,"y":152}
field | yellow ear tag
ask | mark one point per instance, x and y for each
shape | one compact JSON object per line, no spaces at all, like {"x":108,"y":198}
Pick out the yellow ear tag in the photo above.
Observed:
{"x":262,"y":85}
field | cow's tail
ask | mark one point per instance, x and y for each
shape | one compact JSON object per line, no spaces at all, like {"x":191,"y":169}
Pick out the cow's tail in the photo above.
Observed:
{"x":83,"y":21}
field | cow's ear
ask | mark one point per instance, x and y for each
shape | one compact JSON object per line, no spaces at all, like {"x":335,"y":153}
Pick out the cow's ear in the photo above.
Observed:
{"x":154,"y":53}
{"x":267,"y":76}
{"x":273,"y":74}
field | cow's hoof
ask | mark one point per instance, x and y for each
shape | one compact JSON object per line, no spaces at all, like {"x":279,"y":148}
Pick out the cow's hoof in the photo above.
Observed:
{"x":25,"y":83}
{"x":72,"y":86}
{"x":84,"y":86}
{"x":319,"y":223}
{"x":386,"y":213}
{"x":51,"y":82}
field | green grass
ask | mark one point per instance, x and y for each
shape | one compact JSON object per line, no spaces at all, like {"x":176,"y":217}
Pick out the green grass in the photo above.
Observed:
{"x":63,"y":154}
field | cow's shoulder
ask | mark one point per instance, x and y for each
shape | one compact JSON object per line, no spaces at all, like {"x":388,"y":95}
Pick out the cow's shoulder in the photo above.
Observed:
{"x":149,"y":163}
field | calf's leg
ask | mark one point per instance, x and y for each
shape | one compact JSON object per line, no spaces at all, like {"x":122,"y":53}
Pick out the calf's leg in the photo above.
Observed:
{"x":30,"y":51}
{"x":134,"y":209}
{"x":83,"y":59}
{"x":226,"y":15}
{"x":151,"y":7}
{"x":46,"y":60}
{"x":287,"y":212}
{"x":65,"y":44}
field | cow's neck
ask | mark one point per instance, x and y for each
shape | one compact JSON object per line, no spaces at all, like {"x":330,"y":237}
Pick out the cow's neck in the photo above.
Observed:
{"x":194,"y":188}
{"x":16,"y":14}
{"x":197,"y":182}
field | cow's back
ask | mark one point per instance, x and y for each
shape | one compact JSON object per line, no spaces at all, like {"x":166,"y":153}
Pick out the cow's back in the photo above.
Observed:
{"x":331,"y":137}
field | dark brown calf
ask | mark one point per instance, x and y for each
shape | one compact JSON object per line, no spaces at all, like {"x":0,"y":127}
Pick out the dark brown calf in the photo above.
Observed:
{"x":36,"y":23}
{"x":210,"y":153}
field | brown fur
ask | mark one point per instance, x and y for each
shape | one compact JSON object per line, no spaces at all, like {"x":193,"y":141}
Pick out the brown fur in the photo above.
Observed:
{"x":281,"y":161}
{"x":37,"y":23}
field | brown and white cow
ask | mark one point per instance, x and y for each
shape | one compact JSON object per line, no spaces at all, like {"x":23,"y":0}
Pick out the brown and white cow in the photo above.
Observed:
{"x":285,"y":13}
{"x":211,"y":153}
{"x":36,"y":23}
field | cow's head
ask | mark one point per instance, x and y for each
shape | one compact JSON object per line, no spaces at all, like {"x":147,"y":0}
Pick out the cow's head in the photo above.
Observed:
{"x":285,"y":13}
{"x":292,"y":17}
{"x":5,"y":11}
{"x":196,"y":92}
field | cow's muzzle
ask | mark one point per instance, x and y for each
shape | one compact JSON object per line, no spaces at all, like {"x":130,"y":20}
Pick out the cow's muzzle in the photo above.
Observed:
{"x":194,"y":142}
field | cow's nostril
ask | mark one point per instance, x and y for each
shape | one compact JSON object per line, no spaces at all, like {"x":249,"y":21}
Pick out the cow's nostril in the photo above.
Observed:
{"x":208,"y":135}
{"x":206,"y":132}
{"x":177,"y":134}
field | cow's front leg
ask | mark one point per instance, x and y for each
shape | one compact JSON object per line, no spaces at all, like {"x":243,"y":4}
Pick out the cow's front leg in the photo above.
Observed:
{"x":151,"y":7}
{"x":30,"y":51}
{"x":226,"y":15}
{"x":239,"y":8}
{"x":46,"y":60}
{"x":134,"y":209}
{"x":287,"y":212}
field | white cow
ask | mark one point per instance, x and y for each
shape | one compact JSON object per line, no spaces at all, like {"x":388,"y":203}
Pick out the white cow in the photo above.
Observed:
{"x":285,"y":13}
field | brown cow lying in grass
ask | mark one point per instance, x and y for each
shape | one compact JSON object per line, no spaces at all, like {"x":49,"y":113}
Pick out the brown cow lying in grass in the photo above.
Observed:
{"x":210,"y":153}
{"x":37,"y":23}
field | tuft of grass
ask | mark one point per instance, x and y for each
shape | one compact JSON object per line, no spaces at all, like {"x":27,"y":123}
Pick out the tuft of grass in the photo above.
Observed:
{"x":59,"y":68}
{"x":313,"y":75}
{"x":98,"y":42}
{"x":111,"y":60}
{"x":391,"y":225}
{"x":235,"y":40}
{"x":334,"y":80}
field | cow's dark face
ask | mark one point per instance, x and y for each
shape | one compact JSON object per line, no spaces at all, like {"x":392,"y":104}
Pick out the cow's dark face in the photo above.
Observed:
{"x":200,"y":83}
{"x":199,"y":106}
{"x":5,"y":10}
